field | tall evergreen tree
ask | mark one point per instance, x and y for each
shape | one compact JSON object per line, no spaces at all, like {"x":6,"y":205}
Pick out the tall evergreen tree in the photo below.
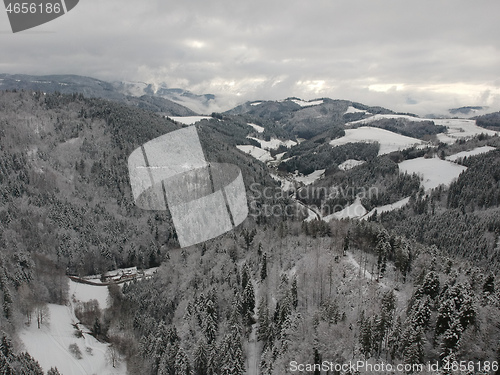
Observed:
{"x":182,"y":365}
{"x":200,"y":365}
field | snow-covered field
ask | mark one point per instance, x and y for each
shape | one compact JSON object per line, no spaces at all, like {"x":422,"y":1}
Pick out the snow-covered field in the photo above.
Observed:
{"x":433,"y":171}
{"x":476,"y":151}
{"x":279,"y":156}
{"x":351,"y":109}
{"x":258,"y":129}
{"x":189,"y":120}
{"x":310,"y":178}
{"x":461,"y":128}
{"x":355,"y":211}
{"x":256,"y":152}
{"x":382,"y":117}
{"x":86,"y":292}
{"x":445,"y":138}
{"x":304,"y":103}
{"x":389,"y":141}
{"x":349,"y":164}
{"x":49,"y":345}
{"x":457,"y":128}
{"x":274,"y":143}
{"x":388,"y":207}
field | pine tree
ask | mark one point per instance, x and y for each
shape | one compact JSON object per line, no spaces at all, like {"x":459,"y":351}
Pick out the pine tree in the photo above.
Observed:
{"x":210,"y":323}
{"x":365,"y":335}
{"x":451,"y":338}
{"x":264,"y":329}
{"x":294,"y":292}
{"x":430,"y":285}
{"x":414,"y":351}
{"x":317,"y":361}
{"x":27,"y":365}
{"x":182,"y":366}
{"x":167,"y":363}
{"x":394,"y":339}
{"x":6,"y":347}
{"x":263,"y":270}
{"x":245,"y":276}
{"x":200,"y":365}
{"x":347,"y":243}
{"x":489,"y":284}
{"x":248,"y":303}
{"x":231,"y":350}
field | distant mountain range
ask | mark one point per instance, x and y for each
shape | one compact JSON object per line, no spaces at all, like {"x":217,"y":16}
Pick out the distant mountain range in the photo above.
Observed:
{"x":171,"y":101}
{"x":138,"y":94}
{"x":469,"y":111}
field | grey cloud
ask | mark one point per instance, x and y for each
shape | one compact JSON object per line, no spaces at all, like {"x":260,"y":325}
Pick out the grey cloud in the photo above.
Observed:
{"x":266,"y":47}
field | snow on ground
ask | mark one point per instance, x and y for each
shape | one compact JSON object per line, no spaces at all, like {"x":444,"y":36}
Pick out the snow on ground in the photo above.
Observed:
{"x":389,"y":141}
{"x":289,"y":143}
{"x":476,"y":151}
{"x":86,"y":292}
{"x":189,"y":120}
{"x":354,"y":211}
{"x":49,"y":345}
{"x":303,"y":103}
{"x":258,"y":128}
{"x":286,"y":184}
{"x":457,"y":128}
{"x":433,"y":171}
{"x":255,"y":103}
{"x":444,"y":138}
{"x":351,"y":109}
{"x":350,"y":163}
{"x":274,"y":143}
{"x":311,"y":214}
{"x":311,"y":177}
{"x":256,"y":152}
{"x":382,"y":117}
{"x":388,"y":207}
{"x":461,"y":128}
{"x":279,"y":156}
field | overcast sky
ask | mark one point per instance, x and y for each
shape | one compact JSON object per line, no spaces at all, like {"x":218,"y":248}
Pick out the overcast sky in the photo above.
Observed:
{"x":419,"y":56}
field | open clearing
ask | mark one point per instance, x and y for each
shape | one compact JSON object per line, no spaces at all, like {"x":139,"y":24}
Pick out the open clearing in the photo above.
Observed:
{"x":389,"y":141}
{"x":433,"y":171}
{"x":476,"y":151}
{"x":49,"y":345}
{"x":189,"y":120}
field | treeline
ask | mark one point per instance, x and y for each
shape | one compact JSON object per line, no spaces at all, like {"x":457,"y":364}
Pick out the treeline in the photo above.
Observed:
{"x":489,"y":121}
{"x":479,"y":186}
{"x":18,"y":364}
{"x":377,"y":182}
{"x":403,"y":126}
{"x":355,"y":291}
{"x":310,"y":156}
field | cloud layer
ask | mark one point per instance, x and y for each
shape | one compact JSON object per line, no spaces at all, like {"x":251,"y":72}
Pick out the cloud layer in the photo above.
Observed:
{"x":421,"y":57}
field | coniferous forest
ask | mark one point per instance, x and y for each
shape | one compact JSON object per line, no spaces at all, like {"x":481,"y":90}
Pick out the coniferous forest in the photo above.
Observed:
{"x":416,"y":285}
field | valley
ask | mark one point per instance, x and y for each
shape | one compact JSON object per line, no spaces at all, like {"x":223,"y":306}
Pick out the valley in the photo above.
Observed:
{"x":380,"y":242}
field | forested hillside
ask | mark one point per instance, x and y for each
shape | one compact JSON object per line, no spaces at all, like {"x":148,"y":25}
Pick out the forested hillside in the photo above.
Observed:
{"x":410,"y":286}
